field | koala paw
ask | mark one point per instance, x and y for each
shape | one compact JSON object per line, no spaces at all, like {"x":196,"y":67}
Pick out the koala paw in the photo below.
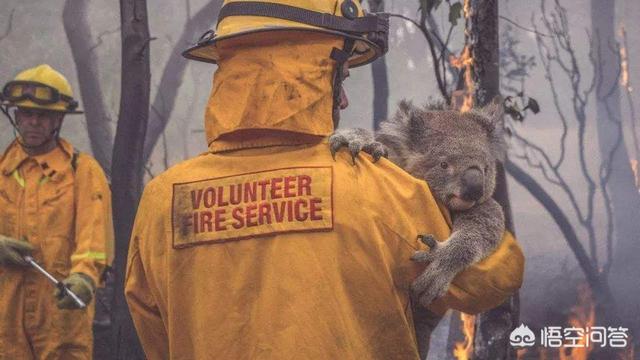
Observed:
{"x":428,"y":240}
{"x":436,"y":278}
{"x":356,"y":140}
{"x":431,"y":284}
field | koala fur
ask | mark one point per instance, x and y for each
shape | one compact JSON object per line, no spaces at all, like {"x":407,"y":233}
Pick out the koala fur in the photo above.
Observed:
{"x":456,"y":154}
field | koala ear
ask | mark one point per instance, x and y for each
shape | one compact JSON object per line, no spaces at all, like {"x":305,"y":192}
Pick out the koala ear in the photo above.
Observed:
{"x":405,"y":107}
{"x":416,"y":127}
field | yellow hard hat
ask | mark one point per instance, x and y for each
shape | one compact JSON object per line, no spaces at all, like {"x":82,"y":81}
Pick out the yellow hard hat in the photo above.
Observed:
{"x":345,"y":18}
{"x":40,"y":87}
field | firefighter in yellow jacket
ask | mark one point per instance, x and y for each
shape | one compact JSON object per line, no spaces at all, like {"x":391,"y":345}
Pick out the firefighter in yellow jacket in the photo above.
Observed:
{"x":265,"y":247}
{"x":55,"y":206}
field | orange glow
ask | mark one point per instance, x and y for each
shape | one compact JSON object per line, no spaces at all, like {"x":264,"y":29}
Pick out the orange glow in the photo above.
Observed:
{"x":624,"y":64}
{"x":466,"y":9}
{"x":582,"y":316}
{"x":464,"y":350}
{"x":520,"y":353}
{"x":463,"y":100}
{"x":465,"y":61}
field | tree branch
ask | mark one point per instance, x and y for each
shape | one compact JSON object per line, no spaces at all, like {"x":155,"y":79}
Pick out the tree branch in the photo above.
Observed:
{"x":172,"y":74}
{"x":78,"y":32}
{"x":7,"y":31}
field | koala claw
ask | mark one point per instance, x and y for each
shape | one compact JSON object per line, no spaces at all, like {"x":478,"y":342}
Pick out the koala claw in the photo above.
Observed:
{"x":354,"y":148}
{"x":432,"y":284}
{"x":428,"y":240}
{"x":336,"y":141}
{"x":376,"y":150}
{"x":356,"y":140}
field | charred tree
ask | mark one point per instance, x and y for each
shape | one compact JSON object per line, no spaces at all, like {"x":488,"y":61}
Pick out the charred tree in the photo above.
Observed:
{"x":78,"y":31}
{"x":620,"y":185}
{"x":492,"y":328}
{"x":127,"y":168}
{"x":171,"y":78}
{"x":380,"y":79}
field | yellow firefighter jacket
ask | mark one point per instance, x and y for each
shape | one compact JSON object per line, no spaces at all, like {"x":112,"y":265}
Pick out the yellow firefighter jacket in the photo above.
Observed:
{"x":65,"y":213}
{"x":267,"y":248}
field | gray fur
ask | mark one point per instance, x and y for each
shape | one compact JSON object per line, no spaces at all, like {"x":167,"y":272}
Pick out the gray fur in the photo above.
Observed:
{"x":420,"y":141}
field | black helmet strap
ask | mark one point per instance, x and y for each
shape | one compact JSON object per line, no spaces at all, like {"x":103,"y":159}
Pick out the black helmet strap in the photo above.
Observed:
{"x":55,"y":134}
{"x":340,"y":56}
{"x":369,"y":23}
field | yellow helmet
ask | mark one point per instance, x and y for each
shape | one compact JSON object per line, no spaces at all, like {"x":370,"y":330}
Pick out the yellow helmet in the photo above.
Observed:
{"x":40,"y":87}
{"x":368,"y":33}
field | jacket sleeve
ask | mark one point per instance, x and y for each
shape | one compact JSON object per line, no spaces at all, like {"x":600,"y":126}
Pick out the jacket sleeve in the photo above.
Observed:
{"x":94,"y":225}
{"x":144,"y":309}
{"x":486,"y":284}
{"x":478,"y":288}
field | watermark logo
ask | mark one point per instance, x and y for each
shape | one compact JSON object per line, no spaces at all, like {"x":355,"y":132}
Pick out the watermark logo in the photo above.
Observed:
{"x":522,"y":336}
{"x":571,"y":337}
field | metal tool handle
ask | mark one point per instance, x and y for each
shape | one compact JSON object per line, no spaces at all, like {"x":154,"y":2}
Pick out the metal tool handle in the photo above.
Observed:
{"x":73,"y":295}
{"x":59,"y":284}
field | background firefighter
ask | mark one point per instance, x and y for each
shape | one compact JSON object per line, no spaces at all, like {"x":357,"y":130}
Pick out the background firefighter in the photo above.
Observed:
{"x":55,"y":206}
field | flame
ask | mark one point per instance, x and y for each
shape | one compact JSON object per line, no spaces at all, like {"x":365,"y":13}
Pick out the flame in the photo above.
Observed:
{"x":466,"y":9}
{"x":582,"y":316}
{"x":624,"y":63}
{"x":463,"y":101}
{"x":464,"y":61}
{"x":464,"y":349}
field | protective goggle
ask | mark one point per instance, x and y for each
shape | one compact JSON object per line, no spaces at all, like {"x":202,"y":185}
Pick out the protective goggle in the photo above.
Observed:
{"x":41,"y":94}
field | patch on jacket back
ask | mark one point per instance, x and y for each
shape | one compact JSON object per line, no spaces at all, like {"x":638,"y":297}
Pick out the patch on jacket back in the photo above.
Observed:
{"x":253,"y":204}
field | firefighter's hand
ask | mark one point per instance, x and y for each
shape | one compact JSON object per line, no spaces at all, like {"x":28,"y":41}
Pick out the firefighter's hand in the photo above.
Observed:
{"x":81,"y":285}
{"x":12,"y":251}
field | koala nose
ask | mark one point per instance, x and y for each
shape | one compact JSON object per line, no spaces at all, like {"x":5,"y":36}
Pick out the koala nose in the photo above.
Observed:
{"x":472,"y":184}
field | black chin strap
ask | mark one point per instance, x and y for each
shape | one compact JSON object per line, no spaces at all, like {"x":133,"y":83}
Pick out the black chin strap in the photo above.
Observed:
{"x":55,"y":133}
{"x":340,"y":56}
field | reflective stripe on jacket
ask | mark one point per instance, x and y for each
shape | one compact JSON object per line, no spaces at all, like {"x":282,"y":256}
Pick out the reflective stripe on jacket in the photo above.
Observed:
{"x":65,"y":213}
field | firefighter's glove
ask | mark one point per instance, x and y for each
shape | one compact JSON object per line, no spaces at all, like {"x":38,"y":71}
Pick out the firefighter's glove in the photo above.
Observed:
{"x":81,"y":285}
{"x":12,"y":251}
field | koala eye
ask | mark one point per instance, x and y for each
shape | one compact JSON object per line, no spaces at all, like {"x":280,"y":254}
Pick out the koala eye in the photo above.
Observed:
{"x":444,"y":165}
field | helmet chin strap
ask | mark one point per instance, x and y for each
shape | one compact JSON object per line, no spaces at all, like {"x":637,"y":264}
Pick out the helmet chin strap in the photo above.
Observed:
{"x":54,"y":135}
{"x":340,"y":56}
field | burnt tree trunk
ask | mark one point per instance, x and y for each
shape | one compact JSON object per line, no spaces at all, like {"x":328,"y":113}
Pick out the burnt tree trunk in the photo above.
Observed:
{"x":78,"y":31}
{"x":492,"y":327}
{"x":127,"y":166}
{"x":380,"y":79}
{"x":625,"y":199}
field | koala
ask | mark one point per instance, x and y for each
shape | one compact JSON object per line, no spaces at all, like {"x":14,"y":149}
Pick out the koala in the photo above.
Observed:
{"x":456,"y":153}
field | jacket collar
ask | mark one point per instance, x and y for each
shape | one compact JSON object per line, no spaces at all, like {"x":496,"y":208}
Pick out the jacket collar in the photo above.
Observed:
{"x":271,"y":87}
{"x":260,"y":138}
{"x":54,"y":162}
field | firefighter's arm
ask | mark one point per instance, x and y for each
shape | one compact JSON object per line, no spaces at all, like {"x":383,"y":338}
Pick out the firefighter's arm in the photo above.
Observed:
{"x":94,"y":225}
{"x":144,"y":311}
{"x":478,"y":288}
{"x":139,"y":278}
{"x":483,"y":285}
{"x":486,"y":284}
